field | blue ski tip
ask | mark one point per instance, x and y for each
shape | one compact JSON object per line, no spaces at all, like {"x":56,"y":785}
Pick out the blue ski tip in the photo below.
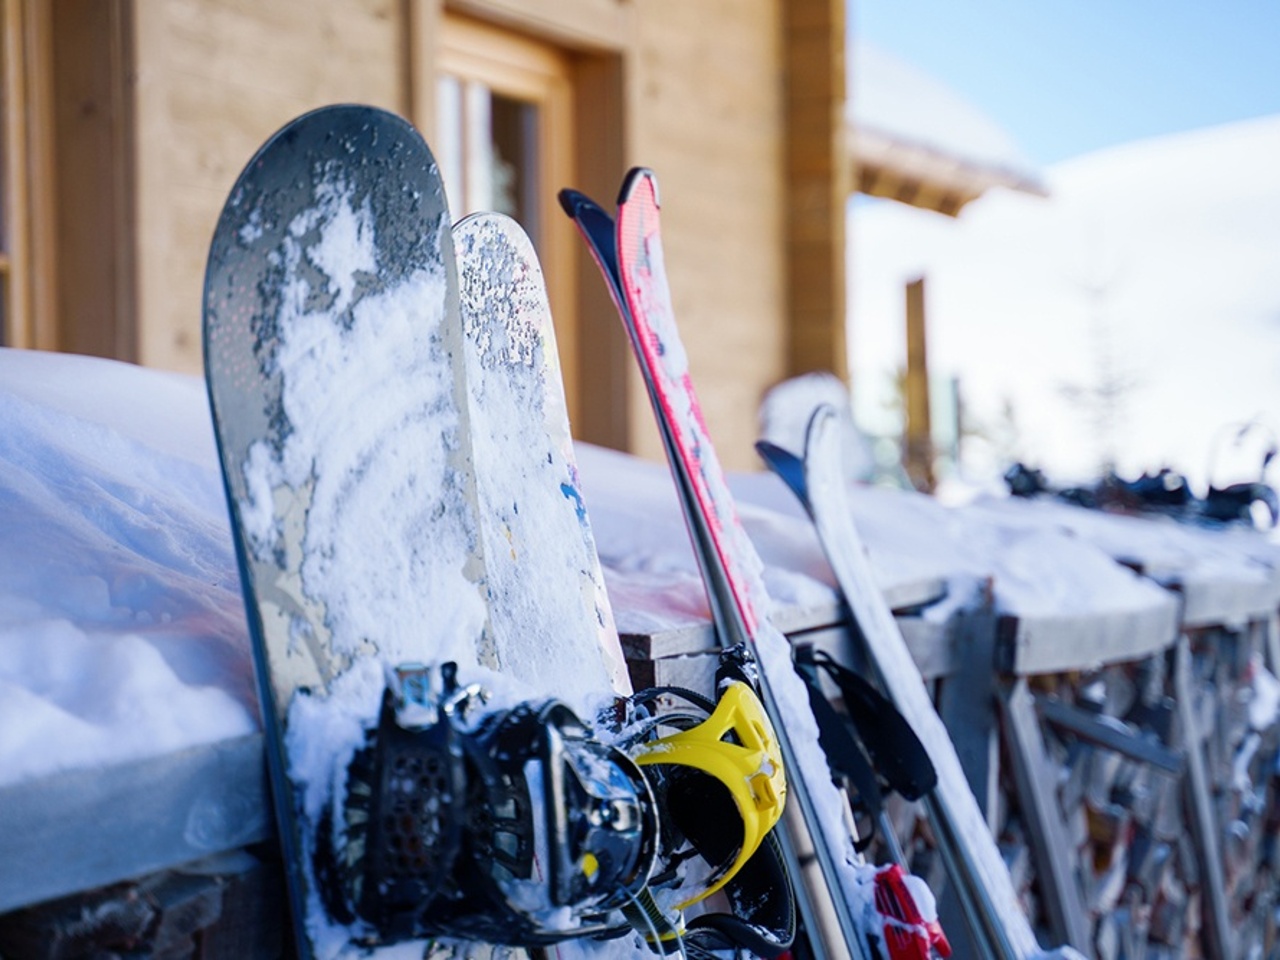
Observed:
{"x":572,"y":202}
{"x":788,"y":467}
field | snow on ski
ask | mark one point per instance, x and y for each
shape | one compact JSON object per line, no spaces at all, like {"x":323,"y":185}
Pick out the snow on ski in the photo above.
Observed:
{"x":546,"y":588}
{"x":631,"y":260}
{"x":999,"y":927}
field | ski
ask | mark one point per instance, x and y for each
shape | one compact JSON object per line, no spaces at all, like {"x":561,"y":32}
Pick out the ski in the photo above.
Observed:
{"x":837,"y":905}
{"x":997,"y":924}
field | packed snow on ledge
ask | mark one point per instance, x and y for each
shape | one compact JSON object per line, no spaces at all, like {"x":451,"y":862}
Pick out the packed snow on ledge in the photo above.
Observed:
{"x":122,"y":630}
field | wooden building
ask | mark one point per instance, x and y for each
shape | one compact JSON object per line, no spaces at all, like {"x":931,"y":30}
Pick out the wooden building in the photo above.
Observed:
{"x":127,"y":121}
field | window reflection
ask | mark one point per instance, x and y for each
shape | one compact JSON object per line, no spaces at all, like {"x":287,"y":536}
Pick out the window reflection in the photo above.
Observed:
{"x":487,"y":147}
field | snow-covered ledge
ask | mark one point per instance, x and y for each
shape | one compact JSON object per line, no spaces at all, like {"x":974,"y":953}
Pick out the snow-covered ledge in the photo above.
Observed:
{"x":129,"y":737}
{"x":129,"y":734}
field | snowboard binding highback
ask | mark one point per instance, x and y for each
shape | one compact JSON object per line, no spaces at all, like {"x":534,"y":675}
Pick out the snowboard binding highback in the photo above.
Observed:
{"x":516,"y":826}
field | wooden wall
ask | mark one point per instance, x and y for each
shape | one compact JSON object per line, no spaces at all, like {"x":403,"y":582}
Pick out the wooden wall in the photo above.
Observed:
{"x":705,"y":101}
{"x":214,"y":79}
{"x":701,"y":92}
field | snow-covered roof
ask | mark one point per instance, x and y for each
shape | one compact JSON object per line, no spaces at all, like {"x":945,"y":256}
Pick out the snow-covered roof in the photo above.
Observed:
{"x":914,"y":139}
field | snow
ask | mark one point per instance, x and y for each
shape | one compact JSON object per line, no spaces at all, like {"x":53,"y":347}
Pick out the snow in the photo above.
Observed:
{"x":389,"y":441}
{"x":121,"y":623}
{"x":1164,"y":549}
{"x":649,"y":565}
{"x":1151,"y":267}
{"x":121,"y":626}
{"x":1037,"y":568}
{"x":895,"y":98}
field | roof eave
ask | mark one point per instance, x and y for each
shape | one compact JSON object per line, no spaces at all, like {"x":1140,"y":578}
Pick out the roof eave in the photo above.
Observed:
{"x":887,"y":165}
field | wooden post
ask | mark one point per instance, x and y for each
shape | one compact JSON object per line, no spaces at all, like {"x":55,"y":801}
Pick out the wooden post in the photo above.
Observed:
{"x":1051,"y":849}
{"x":819,"y":179}
{"x":1218,"y":935}
{"x":918,"y":442}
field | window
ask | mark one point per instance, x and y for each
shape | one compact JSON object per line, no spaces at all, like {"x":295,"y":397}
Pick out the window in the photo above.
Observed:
{"x":504,"y":141}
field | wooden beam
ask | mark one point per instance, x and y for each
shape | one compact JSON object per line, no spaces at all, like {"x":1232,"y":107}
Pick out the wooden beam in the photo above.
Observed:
{"x":26,"y":260}
{"x":41,"y":269}
{"x":93,"y":131}
{"x":597,"y":25}
{"x":1218,"y":934}
{"x":918,"y":455}
{"x":1056,"y":863}
{"x":819,"y":179}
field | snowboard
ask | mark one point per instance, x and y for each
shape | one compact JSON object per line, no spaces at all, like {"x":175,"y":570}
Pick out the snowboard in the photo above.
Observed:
{"x":974,"y":864}
{"x":629,"y":254}
{"x":414,"y":552}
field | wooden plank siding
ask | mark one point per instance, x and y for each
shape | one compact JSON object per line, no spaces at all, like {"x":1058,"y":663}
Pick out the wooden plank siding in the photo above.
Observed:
{"x":706,"y":115}
{"x":735,"y":103}
{"x":214,"y":78}
{"x":29,"y":288}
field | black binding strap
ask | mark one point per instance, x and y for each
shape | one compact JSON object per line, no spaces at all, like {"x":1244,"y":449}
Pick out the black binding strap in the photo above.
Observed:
{"x":871,"y":744}
{"x":763,"y":920}
{"x":846,"y":755}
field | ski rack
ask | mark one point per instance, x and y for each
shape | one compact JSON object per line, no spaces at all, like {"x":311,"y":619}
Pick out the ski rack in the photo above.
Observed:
{"x":828,"y":916}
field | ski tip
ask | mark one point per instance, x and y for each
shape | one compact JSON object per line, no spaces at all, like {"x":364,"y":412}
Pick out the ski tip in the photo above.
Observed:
{"x":571,"y":202}
{"x":772,"y":453}
{"x":788,"y":467}
{"x":634,"y":178}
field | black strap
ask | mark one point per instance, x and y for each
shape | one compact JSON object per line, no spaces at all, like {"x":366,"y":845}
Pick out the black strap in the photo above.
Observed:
{"x":763,"y":920}
{"x":846,"y":755}
{"x":896,"y":752}
{"x":871,"y":744}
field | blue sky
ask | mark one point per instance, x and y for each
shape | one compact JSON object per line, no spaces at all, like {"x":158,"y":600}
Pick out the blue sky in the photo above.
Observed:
{"x":1065,"y":77}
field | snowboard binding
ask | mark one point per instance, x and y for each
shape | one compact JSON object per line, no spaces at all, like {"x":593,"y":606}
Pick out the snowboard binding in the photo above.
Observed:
{"x":720,"y":786}
{"x":516,"y":827}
